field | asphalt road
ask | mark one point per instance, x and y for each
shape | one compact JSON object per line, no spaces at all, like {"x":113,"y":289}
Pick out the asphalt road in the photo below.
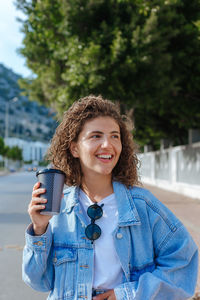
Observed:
{"x":15,"y":194}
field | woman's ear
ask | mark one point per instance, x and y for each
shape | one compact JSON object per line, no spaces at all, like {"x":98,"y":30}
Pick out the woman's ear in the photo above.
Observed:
{"x":74,"y":149}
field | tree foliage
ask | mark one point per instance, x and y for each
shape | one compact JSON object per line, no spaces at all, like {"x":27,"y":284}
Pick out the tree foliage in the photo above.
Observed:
{"x":144,"y":54}
{"x":14,"y":153}
{"x":2,"y":146}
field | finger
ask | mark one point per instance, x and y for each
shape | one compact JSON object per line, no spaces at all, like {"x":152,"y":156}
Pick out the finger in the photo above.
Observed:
{"x":37,"y":200}
{"x":36,"y":185}
{"x":99,"y":297}
{"x":38,"y":192}
{"x":36,"y":204}
{"x":35,"y":208}
{"x":104,"y":295}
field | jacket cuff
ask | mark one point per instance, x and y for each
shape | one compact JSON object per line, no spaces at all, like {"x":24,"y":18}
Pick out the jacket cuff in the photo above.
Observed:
{"x":38,"y":243}
{"x":126,"y":291}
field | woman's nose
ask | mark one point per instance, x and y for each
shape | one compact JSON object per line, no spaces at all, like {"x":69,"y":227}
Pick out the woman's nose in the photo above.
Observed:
{"x":106,"y":142}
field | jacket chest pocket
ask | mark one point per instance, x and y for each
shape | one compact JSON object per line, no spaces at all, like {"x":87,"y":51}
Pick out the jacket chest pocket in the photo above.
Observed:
{"x":65,"y":261}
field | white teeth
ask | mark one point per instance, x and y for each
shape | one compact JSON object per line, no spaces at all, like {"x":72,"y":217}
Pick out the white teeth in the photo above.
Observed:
{"x":105,"y":156}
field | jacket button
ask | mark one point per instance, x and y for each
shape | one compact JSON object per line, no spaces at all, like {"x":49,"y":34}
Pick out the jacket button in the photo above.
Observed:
{"x":39,"y":243}
{"x":119,"y":235}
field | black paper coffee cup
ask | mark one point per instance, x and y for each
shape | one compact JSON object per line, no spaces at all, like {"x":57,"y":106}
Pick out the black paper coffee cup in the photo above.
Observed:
{"x":53,"y":181}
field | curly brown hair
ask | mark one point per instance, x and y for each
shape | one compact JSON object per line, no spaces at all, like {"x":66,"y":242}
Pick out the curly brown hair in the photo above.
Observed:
{"x":68,"y":131}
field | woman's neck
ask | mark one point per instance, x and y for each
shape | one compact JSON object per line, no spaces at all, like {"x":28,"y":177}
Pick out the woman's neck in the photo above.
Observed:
{"x":96,"y":190}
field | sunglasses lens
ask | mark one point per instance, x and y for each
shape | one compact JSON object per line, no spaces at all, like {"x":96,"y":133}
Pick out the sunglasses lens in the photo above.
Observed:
{"x":93,"y":231}
{"x":95,"y":211}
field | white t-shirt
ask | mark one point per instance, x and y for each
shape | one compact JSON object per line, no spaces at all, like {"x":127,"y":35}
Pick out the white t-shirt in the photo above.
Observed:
{"x":107,"y":268}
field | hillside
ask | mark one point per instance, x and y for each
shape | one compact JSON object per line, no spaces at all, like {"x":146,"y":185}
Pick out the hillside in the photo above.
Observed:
{"x":27,"y":119}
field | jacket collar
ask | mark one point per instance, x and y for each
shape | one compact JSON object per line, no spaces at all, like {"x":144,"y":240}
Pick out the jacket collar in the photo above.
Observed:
{"x":71,"y":195}
{"x":128,"y":214}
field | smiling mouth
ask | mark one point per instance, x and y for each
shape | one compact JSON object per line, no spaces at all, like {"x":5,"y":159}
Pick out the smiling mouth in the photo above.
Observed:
{"x":103,"y":156}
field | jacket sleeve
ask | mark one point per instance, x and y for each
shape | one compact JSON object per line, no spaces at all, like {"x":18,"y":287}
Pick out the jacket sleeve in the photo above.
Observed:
{"x":37,"y":271}
{"x":175,"y":273}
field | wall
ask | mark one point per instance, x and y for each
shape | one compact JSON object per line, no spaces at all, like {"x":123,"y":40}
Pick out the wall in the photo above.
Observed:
{"x":176,"y":169}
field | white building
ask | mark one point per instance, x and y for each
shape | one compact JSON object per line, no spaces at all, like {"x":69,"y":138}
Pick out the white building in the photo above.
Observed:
{"x":34,"y":151}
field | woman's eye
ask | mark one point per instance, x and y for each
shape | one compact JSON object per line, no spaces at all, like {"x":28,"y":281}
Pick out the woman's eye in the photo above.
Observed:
{"x":115,"y":136}
{"x":95,"y":136}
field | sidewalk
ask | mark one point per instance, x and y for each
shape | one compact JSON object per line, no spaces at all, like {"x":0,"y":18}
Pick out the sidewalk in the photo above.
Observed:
{"x":2,"y":173}
{"x":186,"y":209}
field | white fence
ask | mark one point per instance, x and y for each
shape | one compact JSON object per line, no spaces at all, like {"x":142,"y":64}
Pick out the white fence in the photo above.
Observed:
{"x":176,"y":169}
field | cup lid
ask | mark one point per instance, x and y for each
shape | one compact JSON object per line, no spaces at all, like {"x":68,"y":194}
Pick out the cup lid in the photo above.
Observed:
{"x":49,"y":171}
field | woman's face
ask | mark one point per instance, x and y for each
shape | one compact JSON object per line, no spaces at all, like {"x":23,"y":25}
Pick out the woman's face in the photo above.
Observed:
{"x":98,"y":146}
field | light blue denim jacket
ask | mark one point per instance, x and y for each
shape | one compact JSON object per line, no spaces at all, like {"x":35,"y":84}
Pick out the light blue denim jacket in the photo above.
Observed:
{"x":157,"y":254}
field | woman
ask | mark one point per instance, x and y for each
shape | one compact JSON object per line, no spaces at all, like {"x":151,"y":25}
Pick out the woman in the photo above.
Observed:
{"x":112,"y":239}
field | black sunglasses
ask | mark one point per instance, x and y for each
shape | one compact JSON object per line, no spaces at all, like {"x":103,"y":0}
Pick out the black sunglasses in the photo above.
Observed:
{"x":93,"y":231}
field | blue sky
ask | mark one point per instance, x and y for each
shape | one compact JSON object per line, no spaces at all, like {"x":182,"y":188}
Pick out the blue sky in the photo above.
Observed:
{"x":11,"y":38}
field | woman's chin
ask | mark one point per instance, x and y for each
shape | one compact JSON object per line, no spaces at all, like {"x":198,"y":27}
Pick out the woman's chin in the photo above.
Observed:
{"x":106,"y":172}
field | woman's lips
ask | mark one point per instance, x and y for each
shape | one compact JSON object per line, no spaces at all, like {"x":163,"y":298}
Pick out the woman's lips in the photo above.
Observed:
{"x":105,"y":157}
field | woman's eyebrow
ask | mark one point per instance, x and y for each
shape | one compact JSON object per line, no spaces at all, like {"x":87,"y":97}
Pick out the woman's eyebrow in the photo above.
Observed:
{"x":115,"y":131}
{"x":100,"y":132}
{"x":96,"y":131}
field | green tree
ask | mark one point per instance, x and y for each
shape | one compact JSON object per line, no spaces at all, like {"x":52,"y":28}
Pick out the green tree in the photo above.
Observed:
{"x":2,"y":146}
{"x":144,"y":54}
{"x":14,"y":153}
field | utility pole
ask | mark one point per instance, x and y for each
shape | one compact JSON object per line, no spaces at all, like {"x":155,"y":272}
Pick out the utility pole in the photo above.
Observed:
{"x":15,"y":99}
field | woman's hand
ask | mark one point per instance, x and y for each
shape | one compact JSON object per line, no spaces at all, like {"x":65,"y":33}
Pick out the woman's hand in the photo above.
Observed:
{"x":109,"y":295}
{"x":40,"y":222}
